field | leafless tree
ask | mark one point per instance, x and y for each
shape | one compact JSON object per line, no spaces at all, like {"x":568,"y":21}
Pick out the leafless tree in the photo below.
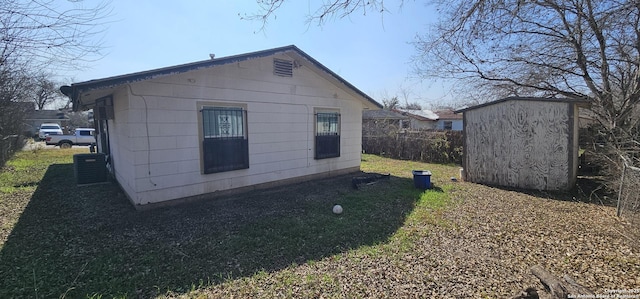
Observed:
{"x":42,"y":35}
{"x":325,"y":11}
{"x":587,"y":49}
{"x":44,"y":90}
{"x":391,"y":103}
{"x":13,"y":86}
{"x":45,"y":33}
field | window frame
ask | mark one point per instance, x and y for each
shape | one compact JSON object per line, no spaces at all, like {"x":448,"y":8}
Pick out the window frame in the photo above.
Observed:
{"x":220,"y":153}
{"x":447,"y":125}
{"x":327,"y":143}
{"x":89,"y":131}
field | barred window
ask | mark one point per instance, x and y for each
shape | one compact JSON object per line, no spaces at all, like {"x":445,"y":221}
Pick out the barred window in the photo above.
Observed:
{"x":327,"y":139}
{"x":225,"y":145}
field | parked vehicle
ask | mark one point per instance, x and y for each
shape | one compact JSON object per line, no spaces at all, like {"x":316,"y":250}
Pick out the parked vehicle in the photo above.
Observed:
{"x":81,"y":136}
{"x":49,"y":129}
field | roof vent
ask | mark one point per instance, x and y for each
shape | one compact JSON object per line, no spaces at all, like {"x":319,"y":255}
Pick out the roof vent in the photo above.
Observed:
{"x":212,"y":56}
{"x":282,"y":67}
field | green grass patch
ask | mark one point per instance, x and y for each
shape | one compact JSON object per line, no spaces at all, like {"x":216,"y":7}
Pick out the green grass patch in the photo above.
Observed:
{"x":59,"y":239}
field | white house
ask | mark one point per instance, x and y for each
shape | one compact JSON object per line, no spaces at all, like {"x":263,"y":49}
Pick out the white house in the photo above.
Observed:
{"x":420,"y":119}
{"x":225,"y":125}
{"x":449,"y":120}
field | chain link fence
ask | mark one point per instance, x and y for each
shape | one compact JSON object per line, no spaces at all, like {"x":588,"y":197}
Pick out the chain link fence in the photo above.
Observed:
{"x":629,"y":198}
{"x":9,"y":145}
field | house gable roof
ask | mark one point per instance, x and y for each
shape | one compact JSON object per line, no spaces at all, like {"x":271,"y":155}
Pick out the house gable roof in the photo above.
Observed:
{"x":76,"y":90}
{"x":580,"y":102}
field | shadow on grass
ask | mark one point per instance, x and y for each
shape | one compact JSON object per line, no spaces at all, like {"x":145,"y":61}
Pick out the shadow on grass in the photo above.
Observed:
{"x":587,"y":190}
{"x":87,"y":241}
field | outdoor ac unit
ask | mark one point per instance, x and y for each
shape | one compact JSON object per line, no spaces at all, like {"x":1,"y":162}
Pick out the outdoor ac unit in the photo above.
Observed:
{"x":90,"y":168}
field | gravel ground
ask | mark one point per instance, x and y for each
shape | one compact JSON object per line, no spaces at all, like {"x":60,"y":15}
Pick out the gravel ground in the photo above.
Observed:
{"x":484,"y":247}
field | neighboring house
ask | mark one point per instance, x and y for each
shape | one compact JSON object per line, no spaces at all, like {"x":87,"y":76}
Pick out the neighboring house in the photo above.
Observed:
{"x":38,"y":117}
{"x":382,"y":122}
{"x":420,"y":119}
{"x":225,"y":125}
{"x":529,"y":143}
{"x":448,"y":120}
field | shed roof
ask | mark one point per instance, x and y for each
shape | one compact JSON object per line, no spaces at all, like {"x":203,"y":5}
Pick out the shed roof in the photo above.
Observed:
{"x":580,"y":102}
{"x":76,"y":90}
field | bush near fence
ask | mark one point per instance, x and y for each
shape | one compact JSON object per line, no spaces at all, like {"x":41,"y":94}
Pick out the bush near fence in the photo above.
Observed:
{"x":426,"y":146}
{"x":9,"y":145}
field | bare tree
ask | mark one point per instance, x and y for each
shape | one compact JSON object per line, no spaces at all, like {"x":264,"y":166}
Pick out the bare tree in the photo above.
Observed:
{"x":47,"y":32}
{"x":41,"y":35}
{"x":412,"y":106}
{"x":325,"y":11}
{"x":391,"y":103}
{"x":44,"y":91}
{"x":587,"y":49}
{"x":13,"y":86}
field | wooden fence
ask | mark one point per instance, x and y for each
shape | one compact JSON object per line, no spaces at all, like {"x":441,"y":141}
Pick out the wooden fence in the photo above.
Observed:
{"x":426,"y":146}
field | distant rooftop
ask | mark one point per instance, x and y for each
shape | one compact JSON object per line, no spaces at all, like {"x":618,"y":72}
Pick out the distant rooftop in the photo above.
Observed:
{"x":448,"y":114}
{"x":47,"y":115}
{"x":420,"y":114}
{"x":382,"y":114}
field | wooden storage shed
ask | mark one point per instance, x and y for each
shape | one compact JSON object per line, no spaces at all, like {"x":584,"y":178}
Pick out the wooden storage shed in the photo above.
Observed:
{"x":529,"y":143}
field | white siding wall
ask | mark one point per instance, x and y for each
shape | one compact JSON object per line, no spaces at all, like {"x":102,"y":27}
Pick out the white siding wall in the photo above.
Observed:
{"x":280,"y":126}
{"x":120,"y":146}
{"x":456,"y":124}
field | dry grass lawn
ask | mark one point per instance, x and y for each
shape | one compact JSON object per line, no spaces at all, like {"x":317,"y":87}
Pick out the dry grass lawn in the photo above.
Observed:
{"x":482,"y":247}
{"x":458,"y":240}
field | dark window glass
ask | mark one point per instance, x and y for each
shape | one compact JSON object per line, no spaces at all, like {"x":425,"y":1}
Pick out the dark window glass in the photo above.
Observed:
{"x":225,"y":145}
{"x":327,"y":139}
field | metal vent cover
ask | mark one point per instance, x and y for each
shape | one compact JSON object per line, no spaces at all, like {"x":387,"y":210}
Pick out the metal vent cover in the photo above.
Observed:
{"x":282,"y":67}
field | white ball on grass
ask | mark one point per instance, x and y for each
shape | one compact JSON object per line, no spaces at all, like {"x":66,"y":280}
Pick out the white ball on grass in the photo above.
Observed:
{"x":337,"y":209}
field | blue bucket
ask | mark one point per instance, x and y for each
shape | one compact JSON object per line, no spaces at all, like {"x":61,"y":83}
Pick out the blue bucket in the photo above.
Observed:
{"x":422,"y":179}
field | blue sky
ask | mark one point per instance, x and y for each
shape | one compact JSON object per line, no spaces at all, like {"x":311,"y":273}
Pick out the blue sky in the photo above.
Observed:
{"x":372,"y":52}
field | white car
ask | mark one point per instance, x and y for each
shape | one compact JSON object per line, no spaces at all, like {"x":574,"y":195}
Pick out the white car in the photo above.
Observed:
{"x":49,"y":129}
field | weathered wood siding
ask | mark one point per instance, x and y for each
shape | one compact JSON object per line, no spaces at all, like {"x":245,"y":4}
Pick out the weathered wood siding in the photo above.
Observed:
{"x":523,"y":144}
{"x":159,"y":140}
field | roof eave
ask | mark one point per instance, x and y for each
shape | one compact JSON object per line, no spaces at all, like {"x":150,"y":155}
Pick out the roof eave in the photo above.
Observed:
{"x":77,"y":89}
{"x":581,"y":102}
